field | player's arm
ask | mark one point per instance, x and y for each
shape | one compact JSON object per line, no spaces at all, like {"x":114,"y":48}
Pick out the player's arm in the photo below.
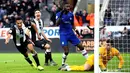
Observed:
{"x":43,"y":34}
{"x":59,"y":17}
{"x":121,"y":61}
{"x":74,"y":27}
{"x":36,"y":30}
{"x":8,"y":36}
{"x":101,"y":65}
{"x":27,"y":32}
{"x":72,"y":22}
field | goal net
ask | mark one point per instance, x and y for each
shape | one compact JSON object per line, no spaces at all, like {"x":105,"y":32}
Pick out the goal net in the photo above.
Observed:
{"x":116,"y":18}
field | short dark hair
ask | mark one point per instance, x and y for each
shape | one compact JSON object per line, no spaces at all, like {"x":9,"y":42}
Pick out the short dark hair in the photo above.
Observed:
{"x":36,"y":10}
{"x":110,"y":41}
{"x":18,"y":18}
{"x":64,"y":3}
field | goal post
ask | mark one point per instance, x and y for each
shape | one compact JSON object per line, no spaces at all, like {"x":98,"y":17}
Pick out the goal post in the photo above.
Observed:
{"x":96,"y":37}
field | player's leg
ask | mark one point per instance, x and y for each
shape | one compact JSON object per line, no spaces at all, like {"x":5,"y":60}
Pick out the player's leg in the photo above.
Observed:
{"x":40,"y":44}
{"x":85,"y":67}
{"x":64,"y":44}
{"x":48,"y":55}
{"x":75,"y":41}
{"x":28,"y":60}
{"x":23,"y":51}
{"x":83,"y":51}
{"x":65,"y":54}
{"x":35,"y":56}
{"x":43,"y":45}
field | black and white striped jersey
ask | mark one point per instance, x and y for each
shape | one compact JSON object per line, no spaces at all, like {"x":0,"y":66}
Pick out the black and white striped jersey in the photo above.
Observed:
{"x":39,"y":26}
{"x":19,"y":36}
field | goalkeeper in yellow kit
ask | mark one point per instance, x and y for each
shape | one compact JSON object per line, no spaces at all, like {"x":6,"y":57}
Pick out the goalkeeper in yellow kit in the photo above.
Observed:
{"x":106,"y":54}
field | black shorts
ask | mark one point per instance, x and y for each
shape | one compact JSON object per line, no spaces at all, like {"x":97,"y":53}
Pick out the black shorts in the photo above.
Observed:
{"x":23,"y":48}
{"x":41,"y":43}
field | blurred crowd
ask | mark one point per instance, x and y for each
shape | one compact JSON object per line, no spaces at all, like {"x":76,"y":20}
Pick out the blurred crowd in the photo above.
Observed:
{"x":125,"y":33}
{"x":116,"y":17}
{"x":82,"y":18}
{"x":10,"y":9}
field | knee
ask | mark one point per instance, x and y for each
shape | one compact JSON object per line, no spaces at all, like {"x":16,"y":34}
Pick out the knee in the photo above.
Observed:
{"x":30,"y":46}
{"x":80,"y":46}
{"x":47,"y":46}
{"x":87,"y":67}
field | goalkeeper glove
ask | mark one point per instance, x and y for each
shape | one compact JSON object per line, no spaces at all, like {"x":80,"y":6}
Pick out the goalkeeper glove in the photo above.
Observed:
{"x":118,"y":70}
{"x":104,"y":69}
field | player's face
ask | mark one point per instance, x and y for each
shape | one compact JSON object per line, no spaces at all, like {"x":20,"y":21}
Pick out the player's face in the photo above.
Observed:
{"x":67,"y":7}
{"x":19,"y":23}
{"x":108,"y":46}
{"x":37,"y":14}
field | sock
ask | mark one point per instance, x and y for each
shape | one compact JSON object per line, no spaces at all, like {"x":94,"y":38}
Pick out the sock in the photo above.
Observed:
{"x":48,"y":51}
{"x":35,"y":57}
{"x":84,"y":53}
{"x":64,"y":57}
{"x":28,"y":60}
{"x":46,"y":57}
{"x":49,"y":56}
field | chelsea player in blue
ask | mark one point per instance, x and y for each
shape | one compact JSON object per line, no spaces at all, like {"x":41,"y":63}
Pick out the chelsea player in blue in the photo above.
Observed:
{"x":65,"y":21}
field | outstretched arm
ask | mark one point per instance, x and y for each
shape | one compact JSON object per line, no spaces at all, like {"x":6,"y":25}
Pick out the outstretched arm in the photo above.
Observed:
{"x":101,"y":64}
{"x":121,"y":61}
{"x":43,"y":34}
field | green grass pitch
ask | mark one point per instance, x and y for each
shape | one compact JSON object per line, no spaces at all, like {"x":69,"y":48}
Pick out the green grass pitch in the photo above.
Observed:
{"x":15,"y":63}
{"x":113,"y":64}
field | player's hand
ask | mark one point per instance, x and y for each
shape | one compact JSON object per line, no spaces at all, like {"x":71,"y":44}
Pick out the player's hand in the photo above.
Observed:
{"x":118,"y":70}
{"x":62,"y":13}
{"x":6,"y":41}
{"x":39,"y":37}
{"x":104,"y":69}
{"x":49,"y":40}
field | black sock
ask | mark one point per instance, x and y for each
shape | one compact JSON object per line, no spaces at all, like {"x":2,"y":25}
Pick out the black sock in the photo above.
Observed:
{"x":28,"y":60}
{"x":49,"y":56}
{"x":35,"y":57}
{"x":46,"y":57}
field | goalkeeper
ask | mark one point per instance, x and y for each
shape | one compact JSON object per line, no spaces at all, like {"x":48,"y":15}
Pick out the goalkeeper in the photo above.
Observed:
{"x":106,"y":54}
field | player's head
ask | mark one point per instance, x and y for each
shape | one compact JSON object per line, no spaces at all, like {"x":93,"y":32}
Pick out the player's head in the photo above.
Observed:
{"x":19,"y":22}
{"x":109,"y":44}
{"x":67,"y":6}
{"x":37,"y":14}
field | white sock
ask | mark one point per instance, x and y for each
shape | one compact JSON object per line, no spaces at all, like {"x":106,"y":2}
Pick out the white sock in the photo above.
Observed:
{"x":84,"y":53}
{"x":64,"y":57}
{"x":48,"y":50}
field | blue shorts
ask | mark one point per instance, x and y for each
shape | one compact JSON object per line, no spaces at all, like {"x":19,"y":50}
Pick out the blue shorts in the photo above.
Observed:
{"x":72,"y":38}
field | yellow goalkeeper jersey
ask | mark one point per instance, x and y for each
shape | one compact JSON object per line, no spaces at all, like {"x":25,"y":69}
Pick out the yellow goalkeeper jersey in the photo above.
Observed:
{"x":106,"y":55}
